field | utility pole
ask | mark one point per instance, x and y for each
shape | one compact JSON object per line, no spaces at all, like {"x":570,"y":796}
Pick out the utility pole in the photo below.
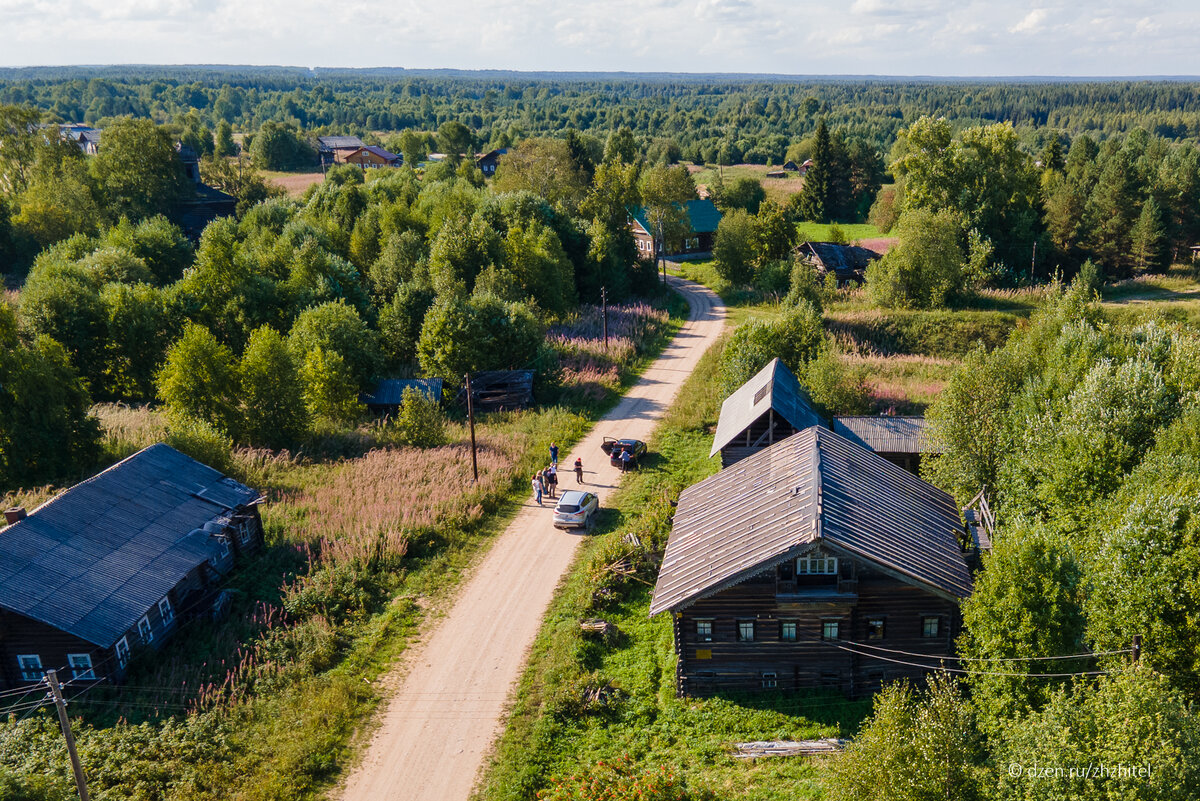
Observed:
{"x":1033,"y":263}
{"x":80,"y":781}
{"x":471,"y":421}
{"x":1137,"y":647}
{"x":662,"y":251}
{"x":604,"y":315}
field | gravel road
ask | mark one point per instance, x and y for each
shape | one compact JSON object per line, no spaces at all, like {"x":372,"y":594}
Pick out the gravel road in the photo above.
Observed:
{"x":452,"y":688}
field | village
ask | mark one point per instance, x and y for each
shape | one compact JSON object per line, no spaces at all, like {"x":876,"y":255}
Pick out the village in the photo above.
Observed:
{"x":469,"y":459}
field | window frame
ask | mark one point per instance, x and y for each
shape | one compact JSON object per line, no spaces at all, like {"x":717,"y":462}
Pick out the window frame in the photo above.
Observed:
{"x":31,"y":673}
{"x":882,"y":621}
{"x":148,"y":634}
{"x":770,"y":679}
{"x":701,"y":636}
{"x":829,"y":565}
{"x":937,"y":627}
{"x":121,"y":649}
{"x":783,"y":630}
{"x":166,"y":611}
{"x":86,"y":670}
{"x":837,"y":630}
{"x":741,"y":632}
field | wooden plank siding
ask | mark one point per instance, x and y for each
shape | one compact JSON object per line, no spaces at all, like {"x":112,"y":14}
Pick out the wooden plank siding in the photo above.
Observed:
{"x":859,"y":595}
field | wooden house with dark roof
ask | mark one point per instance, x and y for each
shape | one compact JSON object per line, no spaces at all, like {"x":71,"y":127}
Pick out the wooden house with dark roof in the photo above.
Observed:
{"x":703,"y":219}
{"x":203,"y":203}
{"x":768,"y":408}
{"x":116,"y":562}
{"x":373,"y":157}
{"x":902,"y":440}
{"x":489,"y":161}
{"x":798,"y":566}
{"x":847,"y":262}
{"x":335,"y":149}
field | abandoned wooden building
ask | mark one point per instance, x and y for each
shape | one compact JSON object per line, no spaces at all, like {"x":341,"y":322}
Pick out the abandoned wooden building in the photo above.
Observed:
{"x":489,"y":161}
{"x":388,"y":394}
{"x":703,"y":218}
{"x":795,"y":567}
{"x":203,"y":203}
{"x":116,"y":563}
{"x":768,"y":408}
{"x":848,"y":263}
{"x":494,"y":390}
{"x":902,"y":440}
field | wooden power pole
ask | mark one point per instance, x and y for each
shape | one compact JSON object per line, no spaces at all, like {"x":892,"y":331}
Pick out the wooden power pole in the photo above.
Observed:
{"x":471,"y":422}
{"x":604,"y":315}
{"x":56,"y":689}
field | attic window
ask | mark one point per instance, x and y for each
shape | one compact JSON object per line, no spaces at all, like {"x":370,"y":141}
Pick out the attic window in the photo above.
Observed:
{"x":816,"y":565}
{"x":762,"y":393}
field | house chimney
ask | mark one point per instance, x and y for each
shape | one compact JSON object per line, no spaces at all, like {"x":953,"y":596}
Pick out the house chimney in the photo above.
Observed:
{"x":14,"y":515}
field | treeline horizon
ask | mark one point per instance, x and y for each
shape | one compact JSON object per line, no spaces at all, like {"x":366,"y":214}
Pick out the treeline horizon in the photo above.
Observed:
{"x":755,"y":116}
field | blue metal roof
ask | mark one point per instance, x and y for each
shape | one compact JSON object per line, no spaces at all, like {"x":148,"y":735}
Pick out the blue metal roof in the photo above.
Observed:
{"x":96,"y":558}
{"x":390,"y":391}
{"x":702,"y":215}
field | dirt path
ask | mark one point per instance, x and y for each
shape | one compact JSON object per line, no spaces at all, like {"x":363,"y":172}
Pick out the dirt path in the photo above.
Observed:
{"x":451,"y":694}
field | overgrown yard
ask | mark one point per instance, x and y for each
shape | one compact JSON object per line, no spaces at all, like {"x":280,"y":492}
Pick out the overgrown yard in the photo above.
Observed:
{"x":587,"y":699}
{"x":364,"y":540}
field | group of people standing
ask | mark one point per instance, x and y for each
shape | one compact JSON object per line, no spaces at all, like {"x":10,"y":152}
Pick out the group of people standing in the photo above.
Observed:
{"x":545,"y":482}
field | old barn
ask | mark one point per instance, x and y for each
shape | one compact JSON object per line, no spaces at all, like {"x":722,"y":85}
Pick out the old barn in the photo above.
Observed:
{"x":795,"y":567}
{"x":902,"y":440}
{"x":768,"y":408}
{"x":116,"y":562}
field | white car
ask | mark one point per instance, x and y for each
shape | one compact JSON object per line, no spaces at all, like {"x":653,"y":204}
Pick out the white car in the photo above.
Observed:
{"x":576,"y":509}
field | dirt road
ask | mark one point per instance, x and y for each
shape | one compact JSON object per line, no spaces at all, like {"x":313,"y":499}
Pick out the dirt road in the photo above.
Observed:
{"x":452,"y":689}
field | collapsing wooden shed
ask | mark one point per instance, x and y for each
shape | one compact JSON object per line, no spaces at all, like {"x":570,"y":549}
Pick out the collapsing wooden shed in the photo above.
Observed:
{"x":493,"y":390}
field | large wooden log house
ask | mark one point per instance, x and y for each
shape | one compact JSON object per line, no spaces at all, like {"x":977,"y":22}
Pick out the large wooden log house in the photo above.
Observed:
{"x":768,"y":408}
{"x":796,"y":568}
{"x":114,"y":564}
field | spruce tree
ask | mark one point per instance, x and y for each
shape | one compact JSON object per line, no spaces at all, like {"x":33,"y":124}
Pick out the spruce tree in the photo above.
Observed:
{"x":815,"y":194}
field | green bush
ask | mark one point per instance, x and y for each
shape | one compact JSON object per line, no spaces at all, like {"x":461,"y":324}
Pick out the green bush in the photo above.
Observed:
{"x":796,"y":338}
{"x":943,"y":334}
{"x":202,"y":441}
{"x":618,"y":780}
{"x":420,"y":422}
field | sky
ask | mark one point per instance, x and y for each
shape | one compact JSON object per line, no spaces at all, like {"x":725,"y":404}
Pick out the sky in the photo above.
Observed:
{"x":797,"y":37}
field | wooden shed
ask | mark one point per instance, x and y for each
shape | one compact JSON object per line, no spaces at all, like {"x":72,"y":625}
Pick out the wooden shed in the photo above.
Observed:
{"x":768,"y":408}
{"x":114,"y":564}
{"x":902,"y":440}
{"x":493,"y":390}
{"x":847,"y":262}
{"x":804,"y":564}
{"x":388,"y":394}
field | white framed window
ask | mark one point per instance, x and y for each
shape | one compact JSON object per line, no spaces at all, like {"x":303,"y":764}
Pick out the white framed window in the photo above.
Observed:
{"x":816,"y":565}
{"x":769,"y":681}
{"x":246,"y":532}
{"x":787,"y":631}
{"x":164,"y":609}
{"x":81,"y":666}
{"x":122,"y":650}
{"x":829,"y":629}
{"x":31,"y":666}
{"x":745,"y":631}
{"x":145,"y":631}
{"x":930,"y":626}
{"x":704,"y":630}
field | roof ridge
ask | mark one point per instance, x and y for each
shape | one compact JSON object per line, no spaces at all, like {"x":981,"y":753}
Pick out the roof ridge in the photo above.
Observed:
{"x":818,"y":480}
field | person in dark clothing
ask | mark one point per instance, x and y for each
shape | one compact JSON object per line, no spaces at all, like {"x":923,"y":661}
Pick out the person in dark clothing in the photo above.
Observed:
{"x":624,"y":461}
{"x":553,"y":476}
{"x":553,"y":454}
{"x":578,"y":471}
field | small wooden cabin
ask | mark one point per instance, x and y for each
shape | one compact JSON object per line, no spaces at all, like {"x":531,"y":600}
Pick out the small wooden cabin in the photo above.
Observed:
{"x":335,"y":149}
{"x":116,"y":562}
{"x":489,"y":161}
{"x":796,"y":567}
{"x":902,"y":440}
{"x":370,"y":156}
{"x":847,"y":262}
{"x":389,"y":393}
{"x":703,"y":219}
{"x":767,"y":409}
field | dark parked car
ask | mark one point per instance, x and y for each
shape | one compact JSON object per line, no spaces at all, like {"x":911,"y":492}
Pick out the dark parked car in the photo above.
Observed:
{"x":613,"y":447}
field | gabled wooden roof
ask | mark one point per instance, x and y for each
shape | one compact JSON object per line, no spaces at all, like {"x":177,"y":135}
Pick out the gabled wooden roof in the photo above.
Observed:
{"x":814,"y":487}
{"x":773,"y":387}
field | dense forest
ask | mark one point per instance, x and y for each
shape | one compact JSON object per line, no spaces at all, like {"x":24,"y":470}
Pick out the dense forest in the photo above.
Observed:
{"x":712,"y":118}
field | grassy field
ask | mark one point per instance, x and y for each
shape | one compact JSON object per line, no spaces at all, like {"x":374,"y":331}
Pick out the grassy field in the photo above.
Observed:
{"x":819,"y":232}
{"x":294,"y":183}
{"x":554,"y":730}
{"x":1174,"y":296}
{"x":777,"y":189}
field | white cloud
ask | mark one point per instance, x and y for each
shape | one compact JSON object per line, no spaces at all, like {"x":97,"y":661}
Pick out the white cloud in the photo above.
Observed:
{"x":1032,"y":23}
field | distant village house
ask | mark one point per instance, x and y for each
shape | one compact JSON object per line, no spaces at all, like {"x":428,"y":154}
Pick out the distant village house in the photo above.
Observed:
{"x":847,"y":262}
{"x":335,"y":149}
{"x":703,"y":218}
{"x":487,"y":162}
{"x":117,"y":563}
{"x":372,"y":156}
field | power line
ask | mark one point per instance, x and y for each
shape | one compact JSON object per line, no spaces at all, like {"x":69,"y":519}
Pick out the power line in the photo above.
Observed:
{"x":995,"y":658}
